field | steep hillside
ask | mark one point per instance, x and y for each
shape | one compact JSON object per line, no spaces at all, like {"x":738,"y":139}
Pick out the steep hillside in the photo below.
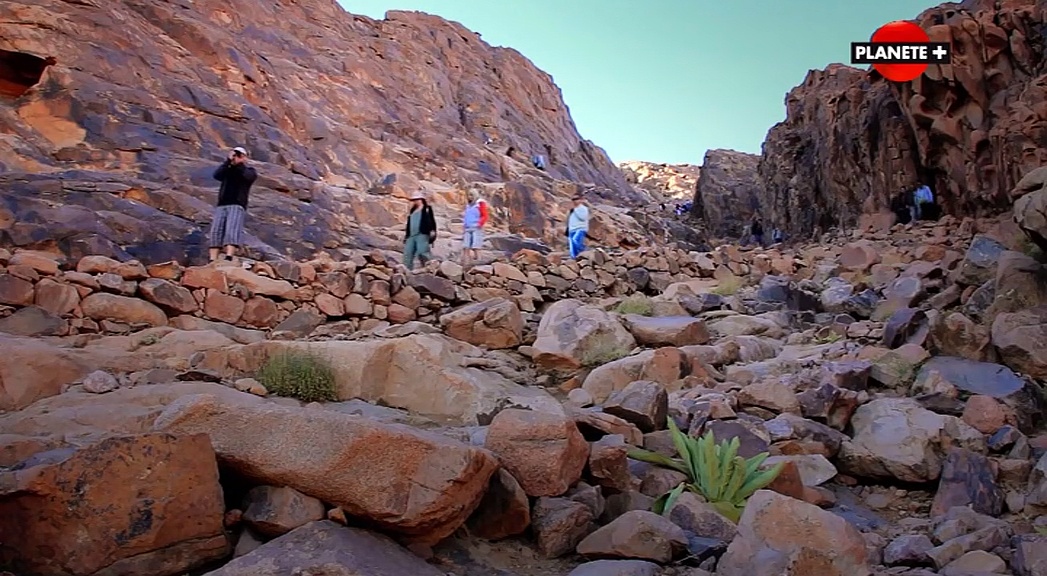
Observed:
{"x":852,"y":140}
{"x":107,"y":141}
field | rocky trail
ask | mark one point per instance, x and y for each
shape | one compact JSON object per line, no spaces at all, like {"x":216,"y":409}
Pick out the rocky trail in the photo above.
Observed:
{"x":482,"y":419}
{"x":864,"y":399}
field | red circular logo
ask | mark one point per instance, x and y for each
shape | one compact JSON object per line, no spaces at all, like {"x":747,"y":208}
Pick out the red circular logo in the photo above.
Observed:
{"x":900,"y":31}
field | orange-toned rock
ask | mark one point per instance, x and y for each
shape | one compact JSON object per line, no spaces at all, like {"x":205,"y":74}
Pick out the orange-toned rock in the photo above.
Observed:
{"x":15,"y":291}
{"x":148,"y":504}
{"x":330,"y":305}
{"x":260,"y":312}
{"x":424,"y":488}
{"x":168,"y":295}
{"x":205,"y":277}
{"x":39,"y":261}
{"x":56,"y":298}
{"x":779,"y":536}
{"x":986,"y":415}
{"x":493,"y":324}
{"x":223,"y":307}
{"x":104,"y":306}
{"x":31,"y":370}
{"x":545,"y":452}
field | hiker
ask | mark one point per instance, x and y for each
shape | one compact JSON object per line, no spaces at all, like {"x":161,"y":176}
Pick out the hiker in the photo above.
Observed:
{"x":577,"y":226}
{"x":539,"y":161}
{"x":420,"y":232}
{"x":757,"y":231}
{"x":923,"y":198}
{"x":227,"y":226}
{"x":776,"y":236}
{"x":902,"y":214}
{"x":473,"y":220}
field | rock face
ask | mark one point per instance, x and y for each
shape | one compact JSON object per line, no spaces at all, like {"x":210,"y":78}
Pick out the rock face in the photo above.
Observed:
{"x":331,"y":107}
{"x":676,"y":181}
{"x":425,"y":488}
{"x":172,"y":524}
{"x":728,"y":192}
{"x":852,"y":140}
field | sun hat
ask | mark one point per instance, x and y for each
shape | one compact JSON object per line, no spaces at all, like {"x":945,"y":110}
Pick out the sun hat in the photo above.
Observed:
{"x":240,"y":150}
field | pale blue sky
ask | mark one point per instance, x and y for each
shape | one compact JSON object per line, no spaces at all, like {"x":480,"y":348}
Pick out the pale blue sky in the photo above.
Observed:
{"x":665,"y":80}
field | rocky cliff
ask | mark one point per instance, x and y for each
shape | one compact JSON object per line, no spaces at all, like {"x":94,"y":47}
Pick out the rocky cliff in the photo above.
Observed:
{"x":671,"y":181}
{"x":727,"y":192}
{"x":851,"y":140}
{"x":107,"y":142}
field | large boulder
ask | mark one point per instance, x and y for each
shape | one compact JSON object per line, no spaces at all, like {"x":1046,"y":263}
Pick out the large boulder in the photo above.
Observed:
{"x":545,"y":452}
{"x":667,"y":330}
{"x":415,"y":483}
{"x":1030,"y":212}
{"x":986,"y":379}
{"x":148,"y":504}
{"x":425,"y":374}
{"x":780,"y":536}
{"x":572,"y":334}
{"x":328,"y":549}
{"x":31,"y":370}
{"x":894,"y":439}
{"x":666,"y":366}
{"x":1020,"y":339}
{"x":104,"y":306}
{"x":492,"y":324}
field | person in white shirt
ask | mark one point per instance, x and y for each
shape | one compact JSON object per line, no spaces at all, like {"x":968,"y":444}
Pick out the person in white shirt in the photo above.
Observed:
{"x":577,"y":226}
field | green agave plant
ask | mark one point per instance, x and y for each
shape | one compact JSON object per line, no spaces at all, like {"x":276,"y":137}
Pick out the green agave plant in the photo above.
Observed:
{"x":714,"y":471}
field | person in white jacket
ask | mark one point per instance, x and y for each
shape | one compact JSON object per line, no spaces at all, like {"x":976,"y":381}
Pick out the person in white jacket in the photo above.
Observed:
{"x":577,"y":226}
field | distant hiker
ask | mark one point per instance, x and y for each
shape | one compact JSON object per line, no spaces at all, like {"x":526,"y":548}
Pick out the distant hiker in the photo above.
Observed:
{"x":756,"y":229}
{"x":227,"y":226}
{"x":776,"y":236}
{"x":577,"y":226}
{"x":473,"y":220}
{"x":539,"y":161}
{"x":902,"y":214}
{"x":420,"y":232}
{"x":922,"y":198}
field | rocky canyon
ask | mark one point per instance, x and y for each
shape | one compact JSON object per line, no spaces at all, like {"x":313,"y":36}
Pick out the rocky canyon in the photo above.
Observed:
{"x":876,"y":391}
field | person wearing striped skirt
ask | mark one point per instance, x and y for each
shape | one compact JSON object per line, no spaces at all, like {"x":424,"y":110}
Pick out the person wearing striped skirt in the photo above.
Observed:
{"x":227,"y":226}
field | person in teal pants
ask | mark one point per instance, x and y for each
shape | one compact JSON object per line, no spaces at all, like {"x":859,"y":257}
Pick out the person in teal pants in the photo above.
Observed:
{"x":420,"y":232}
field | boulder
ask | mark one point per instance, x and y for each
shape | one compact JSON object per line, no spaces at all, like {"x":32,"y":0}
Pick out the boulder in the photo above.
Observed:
{"x":329,"y":549}
{"x":617,"y":568}
{"x":639,"y":535}
{"x":894,"y":439}
{"x":147,"y":504}
{"x":643,"y":403}
{"x":31,"y":370}
{"x":168,"y":296}
{"x":967,"y":480}
{"x":545,"y":452}
{"x":104,"y":306}
{"x":667,"y":330}
{"x":1022,"y":397}
{"x":33,"y":321}
{"x":979,"y":263}
{"x":666,"y":366}
{"x":424,"y":374}
{"x":559,"y":525}
{"x":781,"y":536}
{"x":492,"y":324}
{"x":1019,"y":337}
{"x":424,"y":489}
{"x":276,"y":510}
{"x":572,"y":334}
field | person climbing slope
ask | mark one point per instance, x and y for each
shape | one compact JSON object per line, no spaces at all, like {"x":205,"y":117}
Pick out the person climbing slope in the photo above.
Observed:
{"x":474,"y":218}
{"x":420,"y":232}
{"x":577,"y":226}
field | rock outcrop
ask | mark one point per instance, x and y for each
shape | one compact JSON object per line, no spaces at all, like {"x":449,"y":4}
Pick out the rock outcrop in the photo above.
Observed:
{"x":728,"y":192}
{"x":103,"y":153}
{"x":851,"y":140}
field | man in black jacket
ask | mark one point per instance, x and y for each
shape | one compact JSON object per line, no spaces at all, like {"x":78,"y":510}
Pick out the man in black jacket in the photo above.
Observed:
{"x":227,"y":227}
{"x":420,"y":231}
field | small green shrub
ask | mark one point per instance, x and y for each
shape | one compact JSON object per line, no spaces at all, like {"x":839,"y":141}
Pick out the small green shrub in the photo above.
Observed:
{"x":714,"y":471}
{"x":603,"y":354}
{"x":298,"y":374}
{"x":728,"y":286}
{"x":1031,"y":250}
{"x":638,"y":304}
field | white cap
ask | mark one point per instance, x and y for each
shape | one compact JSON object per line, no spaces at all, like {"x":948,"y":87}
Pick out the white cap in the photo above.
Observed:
{"x":240,"y":150}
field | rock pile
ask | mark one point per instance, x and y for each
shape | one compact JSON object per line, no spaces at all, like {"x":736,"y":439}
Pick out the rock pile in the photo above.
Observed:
{"x":890,"y":374}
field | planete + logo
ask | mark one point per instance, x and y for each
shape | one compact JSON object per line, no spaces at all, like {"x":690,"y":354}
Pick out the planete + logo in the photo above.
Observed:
{"x":900,"y":51}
